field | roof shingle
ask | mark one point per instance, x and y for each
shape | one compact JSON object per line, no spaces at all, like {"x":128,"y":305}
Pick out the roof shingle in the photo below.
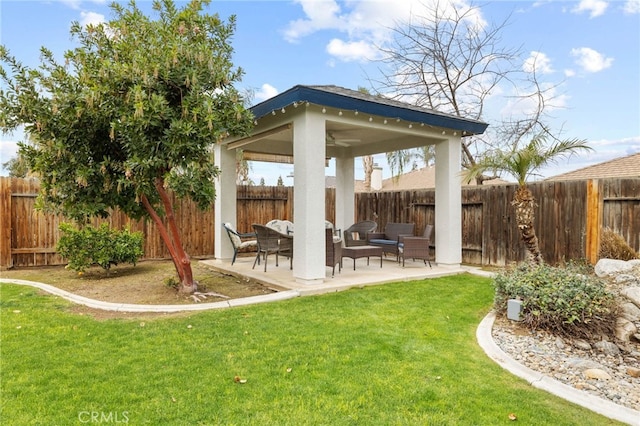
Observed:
{"x":628,"y":166}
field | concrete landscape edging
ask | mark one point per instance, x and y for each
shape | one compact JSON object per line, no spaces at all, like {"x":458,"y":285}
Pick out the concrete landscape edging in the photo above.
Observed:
{"x":548,"y":384}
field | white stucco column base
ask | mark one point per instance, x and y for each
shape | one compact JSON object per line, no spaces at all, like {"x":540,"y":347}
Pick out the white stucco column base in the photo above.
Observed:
{"x":309,"y":282}
{"x":450,"y":266}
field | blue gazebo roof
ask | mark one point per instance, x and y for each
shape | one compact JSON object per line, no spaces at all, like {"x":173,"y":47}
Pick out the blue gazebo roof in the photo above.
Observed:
{"x":347,"y":99}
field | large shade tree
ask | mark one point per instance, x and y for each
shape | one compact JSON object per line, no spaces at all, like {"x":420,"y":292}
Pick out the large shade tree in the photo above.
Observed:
{"x":130,"y":115}
{"x":522,"y":163}
{"x":447,"y":58}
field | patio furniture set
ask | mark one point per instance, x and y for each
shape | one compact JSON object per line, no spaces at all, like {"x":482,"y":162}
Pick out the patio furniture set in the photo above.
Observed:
{"x":360,"y":240}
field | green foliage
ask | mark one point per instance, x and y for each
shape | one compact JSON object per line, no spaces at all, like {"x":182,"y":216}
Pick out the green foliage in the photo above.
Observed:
{"x":522,"y":162}
{"x":562,"y":300}
{"x":138,"y":103}
{"x":98,"y":246}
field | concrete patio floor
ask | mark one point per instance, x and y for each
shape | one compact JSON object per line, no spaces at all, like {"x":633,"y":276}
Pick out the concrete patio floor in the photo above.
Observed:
{"x":281,"y":277}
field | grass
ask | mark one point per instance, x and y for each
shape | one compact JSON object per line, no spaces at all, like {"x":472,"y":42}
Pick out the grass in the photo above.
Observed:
{"x":398,"y":354}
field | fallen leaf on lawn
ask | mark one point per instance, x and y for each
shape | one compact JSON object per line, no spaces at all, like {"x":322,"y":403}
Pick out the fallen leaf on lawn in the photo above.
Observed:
{"x":189,"y":326}
{"x":512,"y":417}
{"x":16,"y":311}
{"x":289,"y":370}
{"x":142,"y":324}
{"x":240,"y":380}
{"x":173,"y":399}
{"x":19,"y":327}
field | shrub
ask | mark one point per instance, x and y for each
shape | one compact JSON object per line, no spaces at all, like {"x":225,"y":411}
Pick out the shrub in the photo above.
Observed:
{"x":98,"y":246}
{"x":564,"y":300}
{"x":613,"y":246}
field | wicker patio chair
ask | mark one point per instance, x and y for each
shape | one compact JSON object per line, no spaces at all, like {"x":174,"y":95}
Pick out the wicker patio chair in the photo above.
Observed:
{"x":271,"y":241}
{"x":239,"y":241}
{"x":417,"y":247}
{"x":360,"y":231}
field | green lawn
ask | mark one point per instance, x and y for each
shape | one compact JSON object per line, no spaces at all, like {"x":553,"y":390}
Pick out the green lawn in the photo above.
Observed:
{"x":398,"y":354}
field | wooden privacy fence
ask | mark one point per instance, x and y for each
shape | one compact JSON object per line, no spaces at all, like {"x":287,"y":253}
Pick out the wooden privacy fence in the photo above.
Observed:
{"x":568,"y":219}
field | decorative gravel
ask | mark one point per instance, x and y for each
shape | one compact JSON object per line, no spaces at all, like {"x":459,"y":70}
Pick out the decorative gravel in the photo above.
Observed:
{"x":606,"y":371}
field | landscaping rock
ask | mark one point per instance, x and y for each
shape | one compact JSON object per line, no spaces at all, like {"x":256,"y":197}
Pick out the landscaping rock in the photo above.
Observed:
{"x":607,"y":348}
{"x":627,"y":279}
{"x":630,"y":311}
{"x":633,"y":371}
{"x":625,"y":329}
{"x":582,"y":344}
{"x":609,"y":267}
{"x":596,"y":374}
{"x":582,"y":364}
{"x":632,"y":293}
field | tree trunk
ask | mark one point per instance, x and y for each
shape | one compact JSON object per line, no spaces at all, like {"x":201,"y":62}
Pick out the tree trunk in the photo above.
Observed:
{"x":524,"y":204}
{"x":367,"y":163}
{"x":172,"y":240}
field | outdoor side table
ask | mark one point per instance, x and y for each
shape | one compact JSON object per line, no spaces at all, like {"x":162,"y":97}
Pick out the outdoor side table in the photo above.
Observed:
{"x":356,"y":252}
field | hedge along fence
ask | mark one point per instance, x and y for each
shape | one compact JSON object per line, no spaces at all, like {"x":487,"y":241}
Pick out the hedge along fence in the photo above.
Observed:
{"x":568,"y":219}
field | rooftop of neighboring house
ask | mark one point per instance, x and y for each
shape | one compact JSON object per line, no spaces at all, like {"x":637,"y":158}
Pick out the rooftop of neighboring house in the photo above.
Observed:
{"x":623,"y":167}
{"x":424,"y":178}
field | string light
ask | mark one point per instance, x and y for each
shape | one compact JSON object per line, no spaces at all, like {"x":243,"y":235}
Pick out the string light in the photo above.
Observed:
{"x":282,"y":110}
{"x":324,"y":110}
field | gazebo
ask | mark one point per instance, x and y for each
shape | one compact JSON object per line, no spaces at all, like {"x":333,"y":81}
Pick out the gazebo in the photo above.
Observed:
{"x":311,"y":124}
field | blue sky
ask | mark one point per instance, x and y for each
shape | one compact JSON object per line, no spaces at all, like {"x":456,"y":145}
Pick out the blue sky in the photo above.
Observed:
{"x":589,"y":49}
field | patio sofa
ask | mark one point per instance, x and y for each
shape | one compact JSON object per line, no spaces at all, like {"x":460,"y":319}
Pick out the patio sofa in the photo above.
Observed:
{"x":392,"y":236}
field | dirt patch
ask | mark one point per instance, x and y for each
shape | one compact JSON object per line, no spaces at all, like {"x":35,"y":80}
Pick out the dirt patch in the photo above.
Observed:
{"x":147,"y":283}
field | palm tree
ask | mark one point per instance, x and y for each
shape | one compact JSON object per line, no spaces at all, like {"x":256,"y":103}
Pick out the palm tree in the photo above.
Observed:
{"x":521,"y":164}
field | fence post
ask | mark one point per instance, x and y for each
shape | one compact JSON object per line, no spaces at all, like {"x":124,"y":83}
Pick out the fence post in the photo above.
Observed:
{"x":5,"y":223}
{"x":594,"y":220}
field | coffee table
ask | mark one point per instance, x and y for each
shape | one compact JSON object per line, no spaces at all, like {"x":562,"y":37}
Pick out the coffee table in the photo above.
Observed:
{"x":356,"y":252}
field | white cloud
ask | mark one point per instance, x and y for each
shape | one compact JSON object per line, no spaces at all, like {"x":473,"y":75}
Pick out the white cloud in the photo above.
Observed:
{"x":594,"y":7}
{"x":591,"y":60}
{"x":632,"y":7}
{"x":538,"y":62}
{"x":367,"y":23}
{"x":75,"y":4}
{"x":91,"y":18}
{"x":352,"y":51}
{"x":321,"y":15}
{"x":266,"y":91}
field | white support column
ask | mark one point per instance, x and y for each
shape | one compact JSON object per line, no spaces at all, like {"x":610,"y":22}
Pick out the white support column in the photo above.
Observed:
{"x":448,"y":226}
{"x":226,"y":203}
{"x":309,"y":211}
{"x":345,"y":192}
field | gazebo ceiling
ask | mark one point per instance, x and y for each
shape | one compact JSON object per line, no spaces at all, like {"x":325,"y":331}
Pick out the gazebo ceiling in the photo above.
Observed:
{"x":359,"y":123}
